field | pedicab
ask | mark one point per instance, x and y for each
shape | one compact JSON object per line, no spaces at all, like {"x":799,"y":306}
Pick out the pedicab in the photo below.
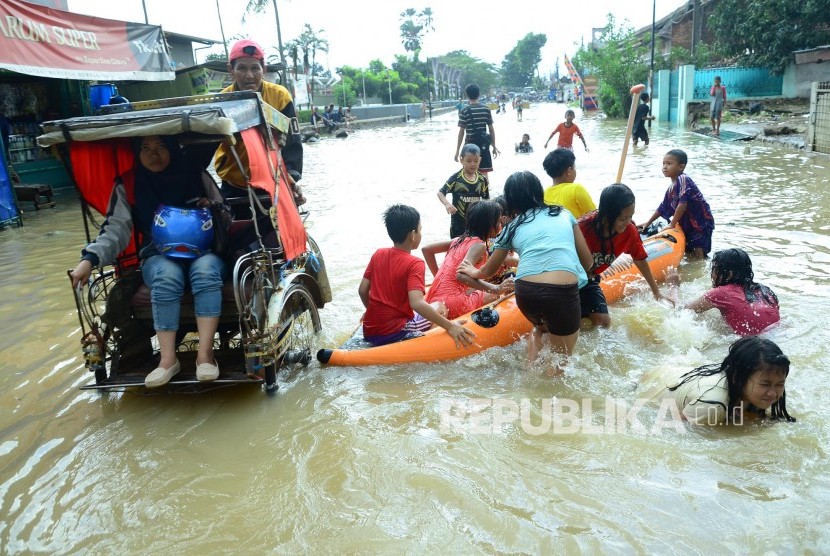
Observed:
{"x":269,"y":320}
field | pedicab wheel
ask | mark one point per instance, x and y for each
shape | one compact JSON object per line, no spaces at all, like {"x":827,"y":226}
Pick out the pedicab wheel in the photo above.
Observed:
{"x":301,"y":321}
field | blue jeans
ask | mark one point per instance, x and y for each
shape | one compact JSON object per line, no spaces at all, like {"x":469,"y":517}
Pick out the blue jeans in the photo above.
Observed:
{"x":167,"y":277}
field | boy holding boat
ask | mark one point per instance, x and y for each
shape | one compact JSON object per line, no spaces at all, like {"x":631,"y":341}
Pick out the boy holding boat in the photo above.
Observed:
{"x":393,"y":287}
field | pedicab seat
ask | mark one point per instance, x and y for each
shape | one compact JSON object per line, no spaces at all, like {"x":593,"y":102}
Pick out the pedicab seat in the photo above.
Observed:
{"x":241,"y":231}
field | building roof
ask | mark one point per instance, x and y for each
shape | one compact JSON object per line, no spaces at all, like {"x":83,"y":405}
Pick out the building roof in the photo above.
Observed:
{"x":190,"y":38}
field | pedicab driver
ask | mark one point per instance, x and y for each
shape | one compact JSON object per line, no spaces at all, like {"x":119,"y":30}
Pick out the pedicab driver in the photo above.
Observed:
{"x":246,"y":66}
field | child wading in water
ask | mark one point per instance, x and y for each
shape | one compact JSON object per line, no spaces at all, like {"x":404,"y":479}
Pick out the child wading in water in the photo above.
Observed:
{"x":609,"y":233}
{"x":747,"y":306}
{"x":524,"y":145}
{"x":684,"y":206}
{"x":467,"y":186}
{"x":553,"y":258}
{"x":566,"y":131}
{"x":642,"y":115}
{"x":749,"y":381}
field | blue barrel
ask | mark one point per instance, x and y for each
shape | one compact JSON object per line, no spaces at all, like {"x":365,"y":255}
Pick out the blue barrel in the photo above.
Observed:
{"x":99,"y":95}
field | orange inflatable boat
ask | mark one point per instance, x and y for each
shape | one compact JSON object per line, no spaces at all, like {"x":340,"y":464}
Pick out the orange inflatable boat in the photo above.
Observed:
{"x":664,"y":250}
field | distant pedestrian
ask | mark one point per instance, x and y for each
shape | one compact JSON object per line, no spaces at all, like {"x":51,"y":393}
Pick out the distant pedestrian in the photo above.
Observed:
{"x":474,"y":120}
{"x":566,"y":131}
{"x":718,"y":94}
{"x":642,"y":115}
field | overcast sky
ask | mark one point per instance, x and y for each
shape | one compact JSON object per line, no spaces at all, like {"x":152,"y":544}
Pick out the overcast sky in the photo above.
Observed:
{"x":362,"y":30}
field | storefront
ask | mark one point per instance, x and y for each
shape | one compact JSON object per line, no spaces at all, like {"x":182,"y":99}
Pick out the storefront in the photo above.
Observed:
{"x":49,"y":59}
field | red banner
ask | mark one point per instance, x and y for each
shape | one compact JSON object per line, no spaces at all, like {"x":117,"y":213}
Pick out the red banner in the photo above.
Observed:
{"x":572,"y":72}
{"x":42,"y":41}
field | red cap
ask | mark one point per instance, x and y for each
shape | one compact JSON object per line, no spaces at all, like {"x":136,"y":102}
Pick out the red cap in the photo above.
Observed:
{"x":247,"y":48}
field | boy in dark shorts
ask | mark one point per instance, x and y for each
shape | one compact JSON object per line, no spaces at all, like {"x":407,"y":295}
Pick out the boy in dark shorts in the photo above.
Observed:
{"x":474,"y":120}
{"x":392,"y":288}
{"x":642,"y":115}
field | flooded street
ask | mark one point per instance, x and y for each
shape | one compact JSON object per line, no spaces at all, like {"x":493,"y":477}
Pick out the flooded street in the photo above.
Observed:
{"x":357,"y":460}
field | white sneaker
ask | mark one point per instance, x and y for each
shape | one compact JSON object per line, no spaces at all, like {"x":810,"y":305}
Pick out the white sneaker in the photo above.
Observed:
{"x":207,"y":371}
{"x":161,"y":376}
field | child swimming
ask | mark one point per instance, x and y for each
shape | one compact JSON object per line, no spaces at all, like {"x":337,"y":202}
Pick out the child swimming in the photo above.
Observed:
{"x":747,"y":306}
{"x":749,"y":381}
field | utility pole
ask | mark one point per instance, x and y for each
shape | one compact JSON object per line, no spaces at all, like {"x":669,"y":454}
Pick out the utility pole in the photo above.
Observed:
{"x":429,"y":89}
{"x":651,"y":69}
{"x":389,"y":82}
{"x":143,"y":5}
{"x":697,"y":22}
{"x":222,"y":30}
{"x":279,"y":33}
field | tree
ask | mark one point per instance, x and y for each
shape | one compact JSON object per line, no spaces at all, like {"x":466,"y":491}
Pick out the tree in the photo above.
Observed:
{"x":415,"y":25}
{"x":308,"y":43}
{"x":618,"y":63}
{"x":472,"y":70}
{"x":520,"y":64}
{"x":765,"y":32}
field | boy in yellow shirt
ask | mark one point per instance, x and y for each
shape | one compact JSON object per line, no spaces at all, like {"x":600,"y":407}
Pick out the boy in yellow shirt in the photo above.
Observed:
{"x":560,"y":164}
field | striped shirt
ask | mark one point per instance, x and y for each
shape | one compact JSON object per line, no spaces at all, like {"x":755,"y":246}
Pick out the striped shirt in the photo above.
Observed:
{"x":475,"y":118}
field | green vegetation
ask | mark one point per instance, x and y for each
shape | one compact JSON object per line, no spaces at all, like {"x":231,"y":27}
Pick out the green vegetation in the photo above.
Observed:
{"x":519,"y":66}
{"x":414,"y":26}
{"x":619,"y":63}
{"x":767,"y":31}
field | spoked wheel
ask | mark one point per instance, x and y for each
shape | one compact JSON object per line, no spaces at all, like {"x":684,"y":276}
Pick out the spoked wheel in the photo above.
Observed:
{"x":299,"y":324}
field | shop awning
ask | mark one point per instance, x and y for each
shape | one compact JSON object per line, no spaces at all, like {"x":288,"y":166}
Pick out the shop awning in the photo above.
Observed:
{"x":41,"y":41}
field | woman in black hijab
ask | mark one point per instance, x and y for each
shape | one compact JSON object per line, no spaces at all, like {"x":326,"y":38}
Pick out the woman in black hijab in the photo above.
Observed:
{"x":162,"y":178}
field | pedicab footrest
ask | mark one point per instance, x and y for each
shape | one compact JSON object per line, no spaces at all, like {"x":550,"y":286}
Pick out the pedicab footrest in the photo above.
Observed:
{"x":142,"y":306}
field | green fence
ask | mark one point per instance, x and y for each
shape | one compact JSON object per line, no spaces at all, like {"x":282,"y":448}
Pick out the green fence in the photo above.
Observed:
{"x":739,"y":82}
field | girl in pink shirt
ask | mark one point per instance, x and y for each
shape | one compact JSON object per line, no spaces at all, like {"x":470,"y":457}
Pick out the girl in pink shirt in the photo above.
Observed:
{"x":453,"y":293}
{"x":747,"y":306}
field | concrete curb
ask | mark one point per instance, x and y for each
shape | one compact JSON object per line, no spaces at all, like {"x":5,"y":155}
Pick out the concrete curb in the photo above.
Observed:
{"x":373,"y":122}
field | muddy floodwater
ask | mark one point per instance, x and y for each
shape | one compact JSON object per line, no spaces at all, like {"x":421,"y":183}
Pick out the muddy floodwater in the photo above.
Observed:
{"x":365,"y":460}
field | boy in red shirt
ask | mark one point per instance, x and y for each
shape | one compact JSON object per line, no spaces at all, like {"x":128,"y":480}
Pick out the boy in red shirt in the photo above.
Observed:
{"x":566,"y":131}
{"x":392,"y":288}
{"x":609,"y":233}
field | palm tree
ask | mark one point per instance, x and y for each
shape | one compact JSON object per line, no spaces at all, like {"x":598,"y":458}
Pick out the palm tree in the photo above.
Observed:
{"x":258,"y":6}
{"x":309,"y":42}
{"x":415,"y":25}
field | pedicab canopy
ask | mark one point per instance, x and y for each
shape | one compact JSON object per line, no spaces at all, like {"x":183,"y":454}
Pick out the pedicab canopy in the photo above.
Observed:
{"x":100,"y":149}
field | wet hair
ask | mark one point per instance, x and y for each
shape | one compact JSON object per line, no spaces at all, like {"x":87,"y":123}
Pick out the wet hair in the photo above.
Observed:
{"x":612,"y":201}
{"x":526,"y":135}
{"x":644,"y":96}
{"x":472,"y":91}
{"x":470,"y":148}
{"x":570,"y":112}
{"x":400,"y":220}
{"x":482,"y":217}
{"x":717,"y":77}
{"x":558,"y":161}
{"x":733,"y":266}
{"x":523,"y":193}
{"x":680,"y":155}
{"x":746,"y":356}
